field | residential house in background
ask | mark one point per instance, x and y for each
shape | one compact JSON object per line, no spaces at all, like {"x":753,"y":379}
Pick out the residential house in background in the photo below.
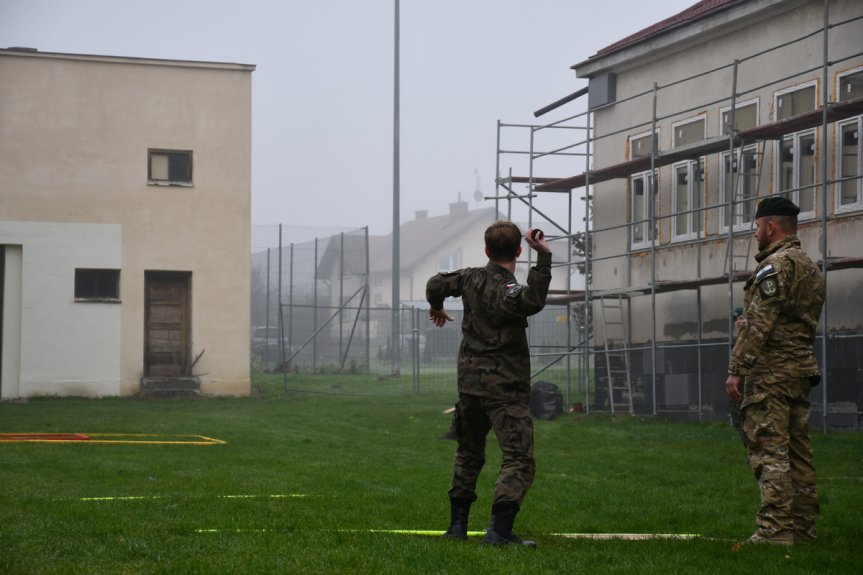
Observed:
{"x":124,"y":223}
{"x":433,"y":244}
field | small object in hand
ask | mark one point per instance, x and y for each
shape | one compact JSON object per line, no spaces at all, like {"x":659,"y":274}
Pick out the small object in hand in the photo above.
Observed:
{"x":536,"y":234}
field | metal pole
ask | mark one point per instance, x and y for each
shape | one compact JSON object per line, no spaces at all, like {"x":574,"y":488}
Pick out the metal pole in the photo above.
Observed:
{"x":497,"y":174}
{"x":341,"y":289}
{"x":824,"y":252}
{"x":281,"y":316}
{"x":267,"y":316}
{"x":730,"y":218}
{"x":368,"y":306}
{"x":396,"y":348}
{"x":291,"y":300}
{"x":315,"y":312}
{"x":415,"y":318}
{"x":588,"y":254}
{"x":653,"y":234}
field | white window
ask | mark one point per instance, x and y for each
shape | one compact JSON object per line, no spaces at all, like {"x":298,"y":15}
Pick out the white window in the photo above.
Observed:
{"x":641,"y":211}
{"x":740,"y":186}
{"x":687,"y":185}
{"x":745,"y":117}
{"x":795,"y":101}
{"x":797,"y":170}
{"x":449,"y":263}
{"x":687,"y":196}
{"x":640,"y":145}
{"x":849,"y":190}
{"x":689,"y":131}
{"x":169,"y":167}
{"x":796,"y":167}
{"x":851,"y":85}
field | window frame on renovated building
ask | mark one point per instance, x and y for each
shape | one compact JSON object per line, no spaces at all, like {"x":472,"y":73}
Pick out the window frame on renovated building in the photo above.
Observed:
{"x":635,"y":145}
{"x":687,"y":182}
{"x":745,"y":116}
{"x":731,"y":178}
{"x":792,"y":149}
{"x":849,"y":154}
{"x":641,"y":212}
{"x":745,"y":180}
{"x":640,"y":225}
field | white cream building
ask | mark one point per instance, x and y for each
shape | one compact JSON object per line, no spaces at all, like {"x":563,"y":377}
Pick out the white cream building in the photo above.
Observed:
{"x":125,"y":190}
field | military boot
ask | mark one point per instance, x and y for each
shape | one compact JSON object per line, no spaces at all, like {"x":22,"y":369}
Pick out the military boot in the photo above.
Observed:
{"x":459,"y":511}
{"x":500,"y":530}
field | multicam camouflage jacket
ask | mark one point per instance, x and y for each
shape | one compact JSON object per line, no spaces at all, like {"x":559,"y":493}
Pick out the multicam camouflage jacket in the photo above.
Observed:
{"x":494,"y":359}
{"x":782,"y":305}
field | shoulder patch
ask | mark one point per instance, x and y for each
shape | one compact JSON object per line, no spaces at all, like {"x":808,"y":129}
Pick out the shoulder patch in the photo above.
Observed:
{"x":512,"y":289}
{"x":769,"y":286}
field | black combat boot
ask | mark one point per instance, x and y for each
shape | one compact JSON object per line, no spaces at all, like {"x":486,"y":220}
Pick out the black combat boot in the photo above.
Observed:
{"x":459,"y":511}
{"x":500,"y":530}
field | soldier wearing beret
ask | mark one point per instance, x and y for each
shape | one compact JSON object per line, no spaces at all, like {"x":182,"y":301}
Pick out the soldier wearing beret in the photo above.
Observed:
{"x":493,"y":374}
{"x":774,"y":353}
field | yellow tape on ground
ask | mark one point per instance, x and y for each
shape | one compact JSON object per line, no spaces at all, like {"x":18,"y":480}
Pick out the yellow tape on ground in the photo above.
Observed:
{"x":628,"y":536}
{"x":111,"y":438}
{"x":154,"y":497}
{"x":439,"y":533}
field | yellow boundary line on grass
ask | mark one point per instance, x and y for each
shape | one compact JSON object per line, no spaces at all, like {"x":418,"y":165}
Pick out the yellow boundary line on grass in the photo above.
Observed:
{"x":628,"y":536}
{"x":156,"y":497}
{"x":439,"y":533}
{"x":88,"y":438}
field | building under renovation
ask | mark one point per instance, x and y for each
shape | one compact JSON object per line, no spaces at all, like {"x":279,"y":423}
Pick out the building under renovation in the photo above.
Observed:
{"x":689,"y":123}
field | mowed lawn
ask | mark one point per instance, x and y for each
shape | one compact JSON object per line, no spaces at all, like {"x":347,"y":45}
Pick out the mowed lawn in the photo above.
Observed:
{"x":311,"y":483}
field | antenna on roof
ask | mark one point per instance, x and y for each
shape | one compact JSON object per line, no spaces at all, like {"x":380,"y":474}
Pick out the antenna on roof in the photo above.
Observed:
{"x":477,"y":193}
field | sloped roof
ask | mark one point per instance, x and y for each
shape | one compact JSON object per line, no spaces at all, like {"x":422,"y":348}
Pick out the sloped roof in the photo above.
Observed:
{"x":695,"y":12}
{"x":419,"y":238}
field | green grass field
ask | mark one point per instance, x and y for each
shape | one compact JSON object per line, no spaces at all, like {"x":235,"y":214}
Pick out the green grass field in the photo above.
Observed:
{"x":309,"y":483}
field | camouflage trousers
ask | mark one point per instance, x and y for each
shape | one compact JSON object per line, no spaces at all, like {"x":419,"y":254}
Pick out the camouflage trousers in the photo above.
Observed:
{"x":776,"y":429}
{"x":513,"y":426}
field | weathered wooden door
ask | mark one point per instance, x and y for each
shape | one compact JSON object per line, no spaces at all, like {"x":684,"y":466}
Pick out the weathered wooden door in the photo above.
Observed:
{"x":167,"y":341}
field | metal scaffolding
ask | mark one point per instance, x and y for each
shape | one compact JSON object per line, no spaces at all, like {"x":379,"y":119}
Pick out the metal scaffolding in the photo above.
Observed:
{"x":745,"y":147}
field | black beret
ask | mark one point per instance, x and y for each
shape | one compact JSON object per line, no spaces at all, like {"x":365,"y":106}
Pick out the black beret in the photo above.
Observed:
{"x":776,"y":206}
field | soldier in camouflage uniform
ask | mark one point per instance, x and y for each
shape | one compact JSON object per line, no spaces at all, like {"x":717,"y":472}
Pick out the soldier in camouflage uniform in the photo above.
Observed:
{"x":774,"y":352}
{"x":493,"y":374}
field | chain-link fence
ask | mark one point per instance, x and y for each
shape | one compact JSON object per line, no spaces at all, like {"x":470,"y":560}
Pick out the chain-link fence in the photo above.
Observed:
{"x":311,"y":314}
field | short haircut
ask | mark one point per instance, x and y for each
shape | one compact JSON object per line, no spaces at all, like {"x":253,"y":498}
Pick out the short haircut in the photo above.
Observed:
{"x":503,"y":238}
{"x":787,"y":224}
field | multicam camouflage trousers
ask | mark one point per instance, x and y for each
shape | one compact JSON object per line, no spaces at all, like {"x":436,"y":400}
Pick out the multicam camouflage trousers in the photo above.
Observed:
{"x":776,"y":429}
{"x":512,"y":424}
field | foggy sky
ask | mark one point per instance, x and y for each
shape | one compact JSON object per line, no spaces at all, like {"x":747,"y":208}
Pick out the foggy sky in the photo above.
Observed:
{"x":322,"y":156}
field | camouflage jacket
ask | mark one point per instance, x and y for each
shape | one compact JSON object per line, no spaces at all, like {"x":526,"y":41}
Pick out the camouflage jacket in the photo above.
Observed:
{"x":494,"y":359}
{"x":782,"y":304}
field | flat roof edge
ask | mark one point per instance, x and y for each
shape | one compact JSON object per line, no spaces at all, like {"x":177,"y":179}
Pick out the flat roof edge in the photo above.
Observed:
{"x":33,"y":53}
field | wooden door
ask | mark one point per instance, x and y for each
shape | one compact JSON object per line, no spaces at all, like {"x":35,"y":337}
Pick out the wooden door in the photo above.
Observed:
{"x":167,"y":341}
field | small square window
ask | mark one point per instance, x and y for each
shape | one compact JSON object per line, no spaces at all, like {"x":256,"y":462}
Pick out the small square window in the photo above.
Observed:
{"x":689,"y":132}
{"x":745,"y":117}
{"x":97,"y":285}
{"x":640,"y":146}
{"x":851,"y":86}
{"x":795,"y":102}
{"x":170,"y":167}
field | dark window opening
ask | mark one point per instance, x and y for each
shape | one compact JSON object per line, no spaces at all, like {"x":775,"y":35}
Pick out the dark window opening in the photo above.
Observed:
{"x":97,"y":285}
{"x":170,"y":167}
